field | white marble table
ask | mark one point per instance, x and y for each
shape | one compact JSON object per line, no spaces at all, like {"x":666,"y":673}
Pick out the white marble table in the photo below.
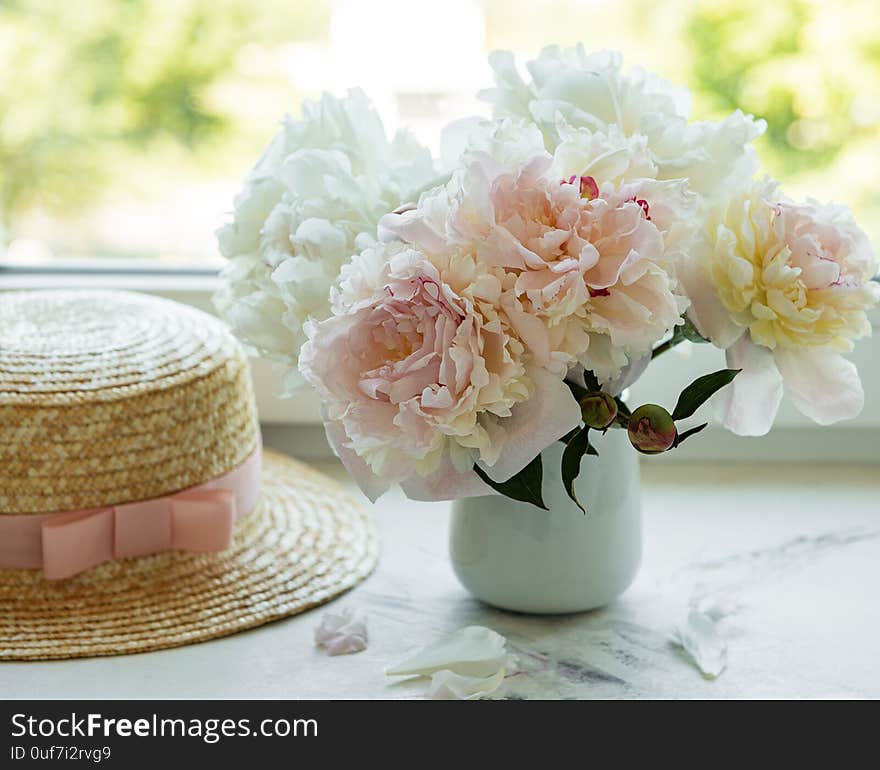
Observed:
{"x":796,"y":551}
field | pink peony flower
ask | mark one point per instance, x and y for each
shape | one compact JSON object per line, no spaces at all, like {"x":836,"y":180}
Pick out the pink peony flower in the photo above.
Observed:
{"x":417,"y":385}
{"x":580,"y":261}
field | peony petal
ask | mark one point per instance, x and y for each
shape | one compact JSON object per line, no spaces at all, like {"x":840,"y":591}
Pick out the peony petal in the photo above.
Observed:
{"x":371,"y":484}
{"x":473,"y":651}
{"x":342,"y":632}
{"x":576,"y":375}
{"x":410,"y":227}
{"x":535,"y":424}
{"x":749,"y":404}
{"x":822,"y":384}
{"x":447,"y":685}
{"x":715,"y":157}
{"x":307,"y":172}
{"x":530,"y":330}
{"x":706,"y":311}
{"x":628,"y":375}
{"x":321,"y":240}
{"x":446,"y":483}
{"x":512,"y":95}
{"x":456,"y":137}
{"x":252,"y":319}
{"x":260,"y":195}
{"x":698,"y":636}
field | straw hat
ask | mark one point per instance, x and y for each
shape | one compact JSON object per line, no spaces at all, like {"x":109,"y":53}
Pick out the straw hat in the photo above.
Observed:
{"x":134,"y":513}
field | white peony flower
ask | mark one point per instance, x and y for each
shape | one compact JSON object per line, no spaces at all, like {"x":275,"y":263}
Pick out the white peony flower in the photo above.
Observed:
{"x":591,"y":91}
{"x":783,"y":287}
{"x":312,"y":201}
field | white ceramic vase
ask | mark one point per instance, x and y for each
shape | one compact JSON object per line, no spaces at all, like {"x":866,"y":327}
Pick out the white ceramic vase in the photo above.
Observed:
{"x":518,"y":557}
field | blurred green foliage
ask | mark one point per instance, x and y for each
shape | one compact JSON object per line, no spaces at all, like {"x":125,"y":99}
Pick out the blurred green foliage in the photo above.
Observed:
{"x":96,"y":94}
{"x":808,"y":68}
{"x":87,"y":86}
{"x":811,"y":68}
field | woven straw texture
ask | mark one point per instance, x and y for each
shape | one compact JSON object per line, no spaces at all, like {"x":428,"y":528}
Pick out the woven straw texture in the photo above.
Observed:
{"x":306,"y":543}
{"x":112,"y":397}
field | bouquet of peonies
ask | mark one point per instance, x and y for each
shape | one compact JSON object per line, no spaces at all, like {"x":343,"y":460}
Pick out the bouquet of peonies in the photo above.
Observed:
{"x":457,"y":324}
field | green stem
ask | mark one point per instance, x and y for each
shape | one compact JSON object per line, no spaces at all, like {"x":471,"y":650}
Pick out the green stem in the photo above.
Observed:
{"x":668,"y":345}
{"x":685,"y":331}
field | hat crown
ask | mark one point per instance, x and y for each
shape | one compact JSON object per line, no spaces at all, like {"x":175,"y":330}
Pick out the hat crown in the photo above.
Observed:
{"x":110,"y":397}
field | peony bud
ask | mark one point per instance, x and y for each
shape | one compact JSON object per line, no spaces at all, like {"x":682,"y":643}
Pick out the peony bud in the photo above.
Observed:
{"x":651,"y":429}
{"x":598,"y":410}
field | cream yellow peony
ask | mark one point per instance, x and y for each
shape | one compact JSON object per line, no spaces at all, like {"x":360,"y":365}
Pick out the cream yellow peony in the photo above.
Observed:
{"x":784,"y":287}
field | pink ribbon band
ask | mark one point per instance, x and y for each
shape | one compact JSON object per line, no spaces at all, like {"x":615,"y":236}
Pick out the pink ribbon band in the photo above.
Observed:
{"x":198,"y":519}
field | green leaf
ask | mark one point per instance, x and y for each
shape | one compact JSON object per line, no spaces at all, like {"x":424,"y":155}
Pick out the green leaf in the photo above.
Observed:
{"x":699,"y":391}
{"x":577,"y":447}
{"x":569,"y":436}
{"x":622,"y":408}
{"x":524,"y":486}
{"x":688,"y":433}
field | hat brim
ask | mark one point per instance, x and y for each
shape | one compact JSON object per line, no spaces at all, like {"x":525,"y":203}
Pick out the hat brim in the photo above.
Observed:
{"x":306,"y":542}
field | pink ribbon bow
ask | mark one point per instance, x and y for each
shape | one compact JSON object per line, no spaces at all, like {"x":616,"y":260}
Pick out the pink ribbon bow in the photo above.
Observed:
{"x":199,"y":519}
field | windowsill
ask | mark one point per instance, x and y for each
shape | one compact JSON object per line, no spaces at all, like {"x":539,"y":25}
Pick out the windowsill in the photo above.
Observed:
{"x":200,"y":286}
